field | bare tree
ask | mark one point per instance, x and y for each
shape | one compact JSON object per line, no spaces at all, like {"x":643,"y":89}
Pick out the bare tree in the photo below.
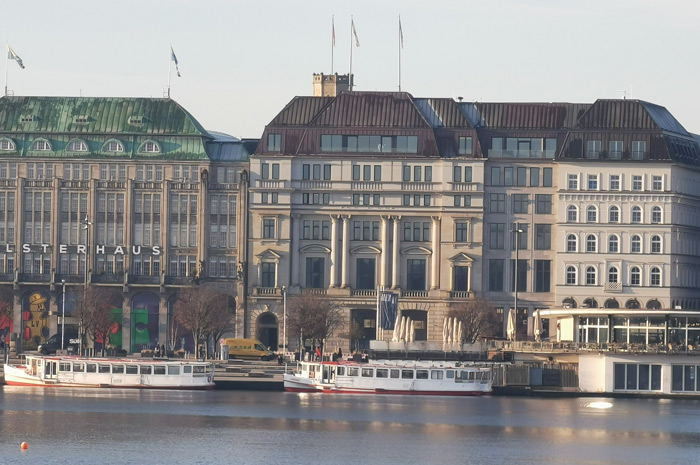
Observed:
{"x":478,"y":318}
{"x":314,"y":317}
{"x":223,"y":317}
{"x":100,"y":320}
{"x":198,"y":309}
{"x":6,"y":309}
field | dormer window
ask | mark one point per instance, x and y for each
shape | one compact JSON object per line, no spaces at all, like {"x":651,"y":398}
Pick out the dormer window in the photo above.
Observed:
{"x":77,"y":146}
{"x":150,"y":147}
{"x":27,"y":119}
{"x":41,"y":145}
{"x":6,"y":144}
{"x":81,"y":119}
{"x":113,"y":146}
{"x":136,"y":120}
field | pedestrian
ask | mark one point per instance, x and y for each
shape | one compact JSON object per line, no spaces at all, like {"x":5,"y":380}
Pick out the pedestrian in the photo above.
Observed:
{"x":340,"y":353}
{"x":156,"y":351}
{"x":318,"y":353}
{"x":162,"y":350}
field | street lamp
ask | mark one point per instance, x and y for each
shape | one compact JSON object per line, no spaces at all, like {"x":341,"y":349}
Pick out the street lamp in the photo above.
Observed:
{"x":63,"y":315}
{"x":86,"y":226}
{"x":517,"y":232}
{"x":284,"y":325}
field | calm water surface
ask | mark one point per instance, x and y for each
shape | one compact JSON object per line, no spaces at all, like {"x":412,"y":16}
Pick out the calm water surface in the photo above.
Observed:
{"x":66,"y":426}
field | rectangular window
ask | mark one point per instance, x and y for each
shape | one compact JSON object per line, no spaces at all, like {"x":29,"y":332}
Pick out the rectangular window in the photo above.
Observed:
{"x":315,"y":272}
{"x":508,"y":176}
{"x":268,"y":274}
{"x":592,"y":182}
{"x":365,"y":273}
{"x":406,"y":173}
{"x":593,"y":149}
{"x":657,"y":183}
{"x":465,"y":145}
{"x":415,"y":274}
{"x":461,"y":229}
{"x":522,"y":275}
{"x":497,"y":236}
{"x":268,"y":228}
{"x":275,"y":171}
{"x":639,"y":148}
{"x":496,"y":275}
{"x":306,"y":172}
{"x":316,"y":172}
{"x":544,"y":203}
{"x":572,"y":181}
{"x":614,"y":182}
{"x":543,"y":236}
{"x":546,"y":177}
{"x":636,"y":183}
{"x":615,"y":150}
{"x":520,"y":203}
{"x":326,"y":172}
{"x":534,"y":177}
{"x":495,"y":176}
{"x":377,"y":172}
{"x":521,"y":180}
{"x":497,"y":203}
{"x":274,"y":142}
{"x":543,"y":275}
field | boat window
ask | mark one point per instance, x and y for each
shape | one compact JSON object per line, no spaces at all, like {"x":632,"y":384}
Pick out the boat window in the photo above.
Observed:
{"x":118,"y":369}
{"x":368,"y":372}
{"x":449,"y":374}
{"x":103,"y":368}
{"x":199,"y":369}
{"x":159,"y":370}
{"x":78,"y":367}
{"x":421,"y":374}
{"x":406,"y":374}
{"x":435,"y":374}
{"x":146,"y":369}
{"x":353,"y":371}
{"x":173,"y":369}
{"x":470,"y":375}
{"x":91,"y":368}
{"x":341,"y":371}
{"x":395,"y":373}
{"x":132,"y":370}
{"x":64,"y":366}
{"x":187,"y":369}
{"x":382,"y":373}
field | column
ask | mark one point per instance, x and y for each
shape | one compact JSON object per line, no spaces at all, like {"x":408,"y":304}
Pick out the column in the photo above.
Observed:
{"x":384,"y":259}
{"x":346,"y":251}
{"x":334,"y":252}
{"x":294,"y":267}
{"x":435,"y":274}
{"x":469,"y":279}
{"x":395,"y":255}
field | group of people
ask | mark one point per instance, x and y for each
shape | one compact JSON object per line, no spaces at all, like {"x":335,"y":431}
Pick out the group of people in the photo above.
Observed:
{"x":160,"y":351}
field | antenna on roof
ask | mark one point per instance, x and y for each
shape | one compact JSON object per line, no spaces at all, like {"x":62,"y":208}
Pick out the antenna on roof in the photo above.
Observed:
{"x":626,"y":93}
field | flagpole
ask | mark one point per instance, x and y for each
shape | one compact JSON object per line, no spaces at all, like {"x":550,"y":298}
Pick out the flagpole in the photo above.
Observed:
{"x":352,"y":24}
{"x":379,"y":316}
{"x":400,"y":44}
{"x":332,"y":43}
{"x":170,"y":64}
{"x":7,"y":58}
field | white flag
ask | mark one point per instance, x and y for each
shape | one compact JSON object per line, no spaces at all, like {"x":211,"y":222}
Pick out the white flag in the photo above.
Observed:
{"x":401,"y":32}
{"x":174,"y":58}
{"x":11,"y":55}
{"x":354,"y":33}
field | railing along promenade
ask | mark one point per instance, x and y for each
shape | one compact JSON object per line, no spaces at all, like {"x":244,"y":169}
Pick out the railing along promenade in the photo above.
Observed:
{"x":584,"y":347}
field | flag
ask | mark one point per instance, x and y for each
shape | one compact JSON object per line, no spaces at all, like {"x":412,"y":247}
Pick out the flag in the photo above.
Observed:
{"x":333,"y":22}
{"x":174,"y":58}
{"x":354,"y":33}
{"x":11,"y":55}
{"x":400,"y":32}
{"x":388,"y":304}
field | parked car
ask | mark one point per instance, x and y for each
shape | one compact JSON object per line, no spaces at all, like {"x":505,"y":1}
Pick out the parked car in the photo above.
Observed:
{"x":52,"y":344}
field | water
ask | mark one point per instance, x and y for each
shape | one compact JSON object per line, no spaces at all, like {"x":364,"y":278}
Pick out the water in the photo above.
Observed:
{"x":65,"y":426}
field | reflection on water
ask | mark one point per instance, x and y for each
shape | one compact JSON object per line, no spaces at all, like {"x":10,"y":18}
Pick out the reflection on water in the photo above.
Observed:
{"x":153,"y":427}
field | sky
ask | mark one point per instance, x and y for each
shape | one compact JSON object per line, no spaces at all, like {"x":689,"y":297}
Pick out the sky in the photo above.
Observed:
{"x":242,"y":62}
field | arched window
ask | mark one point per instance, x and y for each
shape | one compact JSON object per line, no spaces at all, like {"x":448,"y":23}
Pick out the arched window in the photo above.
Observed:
{"x":613,"y":274}
{"x":654,"y":304}
{"x":569,"y":302}
{"x":41,"y":145}
{"x":77,"y":145}
{"x":636,"y":214}
{"x":149,"y":147}
{"x":656,"y":215}
{"x":571,"y":275}
{"x":590,"y":276}
{"x":636,"y":244}
{"x":613,"y":244}
{"x":590,"y":303}
{"x":614,"y":214}
{"x":572,"y":214}
{"x":571,"y":243}
{"x":591,"y":243}
{"x":632,"y":303}
{"x":655,"y":244}
{"x":612,"y":303}
{"x":635,"y":276}
{"x":6,"y":144}
{"x":591,"y":214}
{"x":113,"y":146}
{"x":655,"y":276}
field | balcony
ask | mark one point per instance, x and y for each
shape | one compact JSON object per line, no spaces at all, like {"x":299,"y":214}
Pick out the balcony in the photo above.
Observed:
{"x":179,"y":280}
{"x":139,"y":279}
{"x":7,"y":278}
{"x":8,"y":183}
{"x":107,"y":279}
{"x":461,"y":294}
{"x":314,"y":291}
{"x":414,"y":293}
{"x":613,"y":287}
{"x":72,"y":278}
{"x":364,"y":293}
{"x":500,"y":153}
{"x":148,"y":185}
{"x":267,"y":291}
{"x":34,"y":278}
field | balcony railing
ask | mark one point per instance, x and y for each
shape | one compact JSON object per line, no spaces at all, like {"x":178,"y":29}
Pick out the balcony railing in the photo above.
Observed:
{"x":144,"y":279}
{"x":314,"y":291}
{"x":461,"y":294}
{"x":613,"y":287}
{"x":107,"y":279}
{"x":34,"y":278}
{"x":268,"y":291}
{"x":414,"y":293}
{"x":7,"y":277}
{"x":364,"y":292}
{"x":500,"y":153}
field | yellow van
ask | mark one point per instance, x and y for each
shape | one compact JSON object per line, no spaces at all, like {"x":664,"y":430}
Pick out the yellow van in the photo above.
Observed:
{"x":248,"y":348}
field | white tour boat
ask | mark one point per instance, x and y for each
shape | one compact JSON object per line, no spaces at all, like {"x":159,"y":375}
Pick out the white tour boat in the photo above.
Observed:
{"x":74,"y":371}
{"x":390,"y":377}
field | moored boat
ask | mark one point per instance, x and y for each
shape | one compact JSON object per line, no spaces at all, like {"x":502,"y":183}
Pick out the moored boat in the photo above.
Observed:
{"x":74,"y":371}
{"x":390,"y":377}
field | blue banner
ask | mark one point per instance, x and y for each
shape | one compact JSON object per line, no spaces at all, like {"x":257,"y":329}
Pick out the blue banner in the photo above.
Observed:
{"x":388,"y":306}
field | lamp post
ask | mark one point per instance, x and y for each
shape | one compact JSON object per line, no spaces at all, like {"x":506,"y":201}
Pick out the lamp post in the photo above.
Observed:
{"x":63,"y":315}
{"x":86,"y":226}
{"x":284,"y":326}
{"x":517,"y":232}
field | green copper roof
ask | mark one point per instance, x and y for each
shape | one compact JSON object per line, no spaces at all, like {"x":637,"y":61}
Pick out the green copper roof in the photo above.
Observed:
{"x":103,"y":115}
{"x":95,"y":120}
